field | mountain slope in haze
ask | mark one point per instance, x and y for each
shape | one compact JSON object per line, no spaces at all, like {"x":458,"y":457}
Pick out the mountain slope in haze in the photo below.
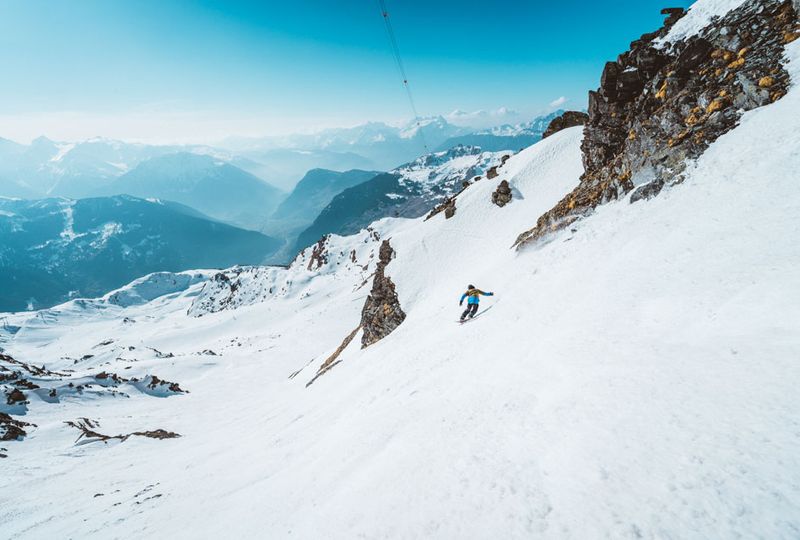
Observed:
{"x":284,"y":167}
{"x":53,"y":249}
{"x":213,"y":187}
{"x":407,"y":191}
{"x":504,"y":137}
{"x":314,"y":191}
{"x":50,"y":168}
{"x":76,"y":169}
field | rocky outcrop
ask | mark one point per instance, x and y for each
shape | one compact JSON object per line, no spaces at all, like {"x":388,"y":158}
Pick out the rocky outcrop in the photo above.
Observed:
{"x":381,"y":313}
{"x":319,"y":254}
{"x":87,"y":429}
{"x":567,"y":120}
{"x":12,"y":429}
{"x":658,"y":107}
{"x":448,"y":207}
{"x":15,"y":396}
{"x":333,"y":359}
{"x":52,"y":387}
{"x":502,"y":195}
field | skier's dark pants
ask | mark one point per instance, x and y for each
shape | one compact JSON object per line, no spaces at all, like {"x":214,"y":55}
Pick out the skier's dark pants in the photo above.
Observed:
{"x":471,"y":310}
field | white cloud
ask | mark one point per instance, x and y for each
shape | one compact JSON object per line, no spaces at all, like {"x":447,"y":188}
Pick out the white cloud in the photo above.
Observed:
{"x":482,"y":118}
{"x":558,"y":102}
{"x":156,"y":125}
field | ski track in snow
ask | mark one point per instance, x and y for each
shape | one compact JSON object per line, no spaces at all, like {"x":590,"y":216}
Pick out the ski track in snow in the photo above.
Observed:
{"x":637,"y":379}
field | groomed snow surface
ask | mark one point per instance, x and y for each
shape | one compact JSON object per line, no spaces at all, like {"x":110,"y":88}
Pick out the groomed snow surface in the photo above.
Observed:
{"x":633,"y":377}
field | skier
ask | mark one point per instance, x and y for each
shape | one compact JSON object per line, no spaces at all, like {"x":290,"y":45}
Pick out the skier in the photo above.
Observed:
{"x":473,"y":299}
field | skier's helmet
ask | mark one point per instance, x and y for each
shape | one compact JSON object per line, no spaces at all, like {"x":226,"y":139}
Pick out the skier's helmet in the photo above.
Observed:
{"x":470,"y":287}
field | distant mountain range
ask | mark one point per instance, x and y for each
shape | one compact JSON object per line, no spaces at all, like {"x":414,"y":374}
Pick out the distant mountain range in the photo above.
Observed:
{"x":504,"y":137}
{"x":410,"y":190}
{"x":213,"y":187}
{"x":49,"y":168}
{"x":244,"y":183}
{"x":385,"y":147}
{"x":54,"y":249}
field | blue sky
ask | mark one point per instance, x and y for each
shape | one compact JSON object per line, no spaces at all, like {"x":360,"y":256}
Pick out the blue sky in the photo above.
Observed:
{"x":170,"y":70}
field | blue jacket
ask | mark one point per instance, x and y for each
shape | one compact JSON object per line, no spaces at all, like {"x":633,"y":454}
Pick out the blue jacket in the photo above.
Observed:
{"x":474,"y":296}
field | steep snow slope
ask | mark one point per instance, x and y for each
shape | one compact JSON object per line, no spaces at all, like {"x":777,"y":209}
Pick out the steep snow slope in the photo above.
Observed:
{"x":635,"y":377}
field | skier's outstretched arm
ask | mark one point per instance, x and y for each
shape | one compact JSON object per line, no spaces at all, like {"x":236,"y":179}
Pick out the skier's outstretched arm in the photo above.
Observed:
{"x":462,"y":299}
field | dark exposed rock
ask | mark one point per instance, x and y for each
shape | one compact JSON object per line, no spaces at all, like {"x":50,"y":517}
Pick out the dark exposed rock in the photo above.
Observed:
{"x":694,"y":54}
{"x":333,"y":360}
{"x":15,"y":396}
{"x":502,"y":195}
{"x":26,"y":384}
{"x":647,"y":191}
{"x":159,"y":384}
{"x":448,"y":207}
{"x":111,"y":379}
{"x":674,"y":15}
{"x":30,"y":368}
{"x":319,"y":253}
{"x":11,"y":429}
{"x":88,"y":430}
{"x":567,"y":120}
{"x":657,"y":108}
{"x":381,"y":313}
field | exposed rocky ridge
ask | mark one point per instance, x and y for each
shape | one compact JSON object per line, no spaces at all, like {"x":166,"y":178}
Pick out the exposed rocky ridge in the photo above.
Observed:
{"x":382,"y":312}
{"x":87,"y":429}
{"x":319,"y":254}
{"x":11,"y":429}
{"x":658,"y":107}
{"x":349,"y":260}
{"x":567,"y":120}
{"x":22,"y":383}
{"x":333,"y":360}
{"x":448,"y":206}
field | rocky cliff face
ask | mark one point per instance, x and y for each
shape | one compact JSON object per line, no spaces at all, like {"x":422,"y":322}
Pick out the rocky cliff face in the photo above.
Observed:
{"x":661,"y":104}
{"x":567,"y":120}
{"x":382,"y":312}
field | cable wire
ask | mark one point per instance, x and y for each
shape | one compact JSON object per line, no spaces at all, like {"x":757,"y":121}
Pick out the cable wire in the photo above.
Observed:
{"x":401,"y":68}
